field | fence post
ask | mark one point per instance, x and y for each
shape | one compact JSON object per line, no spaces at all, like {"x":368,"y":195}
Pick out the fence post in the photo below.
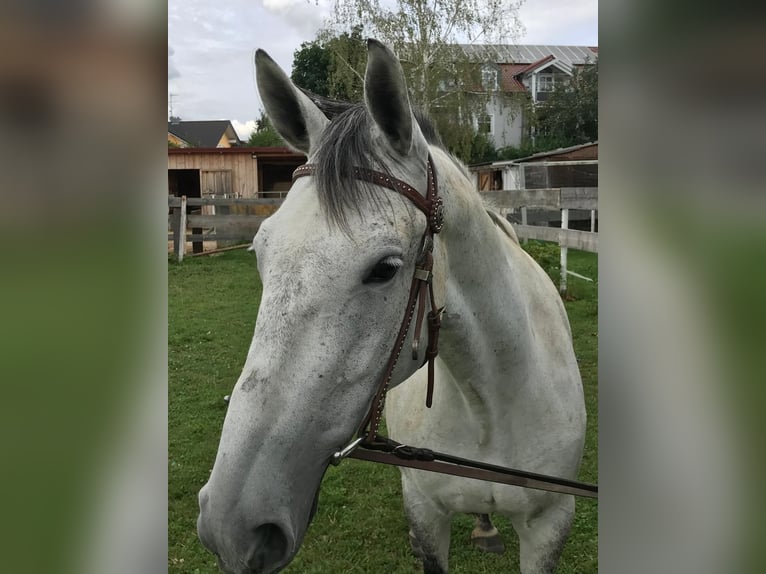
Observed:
{"x":524,"y":222}
{"x":523,"y":185}
{"x":564,"y":252}
{"x":175,"y":222}
{"x":179,"y":231}
{"x":592,"y":220}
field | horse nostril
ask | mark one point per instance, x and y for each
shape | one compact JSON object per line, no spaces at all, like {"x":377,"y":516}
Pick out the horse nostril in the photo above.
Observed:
{"x":269,"y":547}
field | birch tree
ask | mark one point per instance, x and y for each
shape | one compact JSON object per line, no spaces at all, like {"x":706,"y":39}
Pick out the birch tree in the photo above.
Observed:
{"x":440,"y":43}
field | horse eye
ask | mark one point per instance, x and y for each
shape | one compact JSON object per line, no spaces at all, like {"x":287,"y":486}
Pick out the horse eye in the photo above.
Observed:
{"x":384,"y":270}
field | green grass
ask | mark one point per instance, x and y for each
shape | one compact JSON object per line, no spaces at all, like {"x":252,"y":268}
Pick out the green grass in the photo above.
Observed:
{"x":360,"y":525}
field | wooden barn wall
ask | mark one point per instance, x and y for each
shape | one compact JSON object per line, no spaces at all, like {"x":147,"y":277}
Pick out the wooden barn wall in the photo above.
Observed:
{"x":551,"y":176}
{"x":243,"y":168}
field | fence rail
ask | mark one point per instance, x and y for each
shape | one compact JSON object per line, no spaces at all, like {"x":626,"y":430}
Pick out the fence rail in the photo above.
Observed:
{"x":572,"y":238}
{"x":242,"y":227}
{"x":549,"y":198}
{"x":199,"y":201}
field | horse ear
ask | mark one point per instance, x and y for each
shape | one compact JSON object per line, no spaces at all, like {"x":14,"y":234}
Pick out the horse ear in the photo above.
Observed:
{"x":295,"y":117}
{"x":385,"y":93}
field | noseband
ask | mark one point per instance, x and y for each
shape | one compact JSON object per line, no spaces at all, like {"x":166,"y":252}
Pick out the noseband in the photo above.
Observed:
{"x":420,"y":289}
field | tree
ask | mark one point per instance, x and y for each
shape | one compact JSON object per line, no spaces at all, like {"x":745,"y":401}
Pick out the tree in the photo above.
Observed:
{"x":311,"y":68}
{"x":437,"y":43}
{"x":348,"y":60}
{"x":482,"y":150}
{"x":265,"y":135}
{"x":332,"y":66}
{"x":570,"y":114}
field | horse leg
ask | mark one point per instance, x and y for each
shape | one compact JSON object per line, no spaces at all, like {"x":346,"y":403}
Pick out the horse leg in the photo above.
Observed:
{"x":485,"y":536}
{"x":542,"y":536}
{"x":429,"y":530}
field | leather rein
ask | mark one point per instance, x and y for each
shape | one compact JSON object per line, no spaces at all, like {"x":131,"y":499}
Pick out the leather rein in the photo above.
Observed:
{"x":369,"y":445}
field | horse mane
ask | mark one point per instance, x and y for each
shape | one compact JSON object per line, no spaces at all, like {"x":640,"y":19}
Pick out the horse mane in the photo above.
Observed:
{"x":333,"y":108}
{"x":345,"y":144}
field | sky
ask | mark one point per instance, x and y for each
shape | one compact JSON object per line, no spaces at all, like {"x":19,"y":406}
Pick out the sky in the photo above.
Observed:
{"x":211,"y":45}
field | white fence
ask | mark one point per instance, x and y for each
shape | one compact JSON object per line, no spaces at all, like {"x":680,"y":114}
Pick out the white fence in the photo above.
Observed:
{"x":561,"y":199}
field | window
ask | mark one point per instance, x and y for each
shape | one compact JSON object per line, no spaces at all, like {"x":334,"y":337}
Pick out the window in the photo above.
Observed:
{"x":545,"y":82}
{"x":484,"y":124}
{"x":489,"y":78}
{"x":447,"y":84}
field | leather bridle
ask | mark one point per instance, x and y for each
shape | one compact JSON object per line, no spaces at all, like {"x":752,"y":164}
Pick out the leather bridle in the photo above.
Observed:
{"x":382,"y":449}
{"x":420,"y":289}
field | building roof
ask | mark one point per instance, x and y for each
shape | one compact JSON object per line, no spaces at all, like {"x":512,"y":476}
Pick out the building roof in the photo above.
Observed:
{"x":536,"y":64}
{"x":176,"y":138}
{"x":509,"y":81}
{"x":586,"y":151}
{"x":203,"y":133}
{"x":564,"y":152}
{"x":527,"y":54}
{"x":270,"y":153}
{"x":545,"y":62}
{"x":515,"y":61}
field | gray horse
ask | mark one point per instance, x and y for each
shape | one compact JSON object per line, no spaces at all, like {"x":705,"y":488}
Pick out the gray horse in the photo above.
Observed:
{"x":336,"y":261}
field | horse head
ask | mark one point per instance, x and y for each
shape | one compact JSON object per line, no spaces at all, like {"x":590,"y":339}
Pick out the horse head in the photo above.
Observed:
{"x":336,"y":262}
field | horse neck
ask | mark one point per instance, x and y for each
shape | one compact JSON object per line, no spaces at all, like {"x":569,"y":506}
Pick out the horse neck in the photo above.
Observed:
{"x":485,"y":306}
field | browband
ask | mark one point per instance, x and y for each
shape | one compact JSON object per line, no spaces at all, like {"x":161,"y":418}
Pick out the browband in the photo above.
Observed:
{"x":431,"y":205}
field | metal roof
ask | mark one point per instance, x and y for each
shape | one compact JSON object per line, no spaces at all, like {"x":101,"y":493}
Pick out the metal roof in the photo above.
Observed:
{"x":558,"y":151}
{"x":536,"y":157}
{"x":527,"y":54}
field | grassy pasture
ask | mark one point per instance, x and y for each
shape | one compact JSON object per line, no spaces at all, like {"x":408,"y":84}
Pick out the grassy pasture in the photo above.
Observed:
{"x":212,"y":306}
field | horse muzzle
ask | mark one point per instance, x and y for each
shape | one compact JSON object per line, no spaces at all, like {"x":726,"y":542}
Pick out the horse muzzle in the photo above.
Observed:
{"x":242,"y":549}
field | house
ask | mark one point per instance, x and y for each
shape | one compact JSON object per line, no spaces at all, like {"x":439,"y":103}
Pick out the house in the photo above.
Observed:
{"x":204,"y":134}
{"x":512,"y":75}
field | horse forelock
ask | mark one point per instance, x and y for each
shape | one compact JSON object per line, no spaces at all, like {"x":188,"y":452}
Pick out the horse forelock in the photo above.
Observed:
{"x":347,"y":143}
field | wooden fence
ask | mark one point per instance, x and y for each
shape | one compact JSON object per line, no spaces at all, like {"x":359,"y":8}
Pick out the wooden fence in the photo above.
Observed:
{"x":223,"y":225}
{"x":227,"y":219}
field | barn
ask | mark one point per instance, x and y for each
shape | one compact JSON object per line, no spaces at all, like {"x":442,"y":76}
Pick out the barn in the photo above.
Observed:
{"x":232,"y":172}
{"x":570,"y":167}
{"x":575,"y":166}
